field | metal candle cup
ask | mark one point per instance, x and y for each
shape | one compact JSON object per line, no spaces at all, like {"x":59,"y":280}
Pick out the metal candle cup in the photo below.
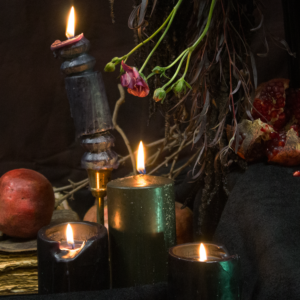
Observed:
{"x":218,"y":278}
{"x":141,"y":219}
{"x":62,"y":269}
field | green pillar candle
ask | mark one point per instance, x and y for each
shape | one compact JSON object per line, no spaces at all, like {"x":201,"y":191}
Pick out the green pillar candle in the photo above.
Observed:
{"x":141,"y":219}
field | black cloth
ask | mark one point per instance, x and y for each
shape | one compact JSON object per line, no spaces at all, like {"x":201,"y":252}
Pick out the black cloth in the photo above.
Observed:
{"x":156,"y":291}
{"x":260,"y":222}
{"x":37,"y":131}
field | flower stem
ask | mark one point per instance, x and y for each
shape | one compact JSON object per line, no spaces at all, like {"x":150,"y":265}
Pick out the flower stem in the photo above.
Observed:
{"x":212,"y":6}
{"x":176,"y":60}
{"x":190,"y":50}
{"x":176,"y":73}
{"x":172,"y":15}
{"x":152,"y":36}
{"x":187,"y":64}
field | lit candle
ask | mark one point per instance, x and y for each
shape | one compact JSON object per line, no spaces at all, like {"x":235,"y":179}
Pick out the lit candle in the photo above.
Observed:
{"x":70,"y":33}
{"x":70,"y":247}
{"x":141,"y":220}
{"x":203,"y":272}
{"x":202,"y":253}
{"x":72,"y":257}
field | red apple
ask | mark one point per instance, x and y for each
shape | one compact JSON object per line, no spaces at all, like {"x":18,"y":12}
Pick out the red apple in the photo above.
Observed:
{"x":26,"y":203}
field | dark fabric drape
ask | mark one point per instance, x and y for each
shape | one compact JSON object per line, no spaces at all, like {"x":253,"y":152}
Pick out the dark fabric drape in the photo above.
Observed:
{"x":37,"y":130}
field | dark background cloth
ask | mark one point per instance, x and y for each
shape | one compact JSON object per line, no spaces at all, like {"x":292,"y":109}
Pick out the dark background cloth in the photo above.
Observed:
{"x":37,"y":130}
{"x":260,"y":223}
{"x":156,"y":291}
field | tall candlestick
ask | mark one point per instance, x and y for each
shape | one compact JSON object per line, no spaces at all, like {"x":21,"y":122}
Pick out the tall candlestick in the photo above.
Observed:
{"x":90,"y":111}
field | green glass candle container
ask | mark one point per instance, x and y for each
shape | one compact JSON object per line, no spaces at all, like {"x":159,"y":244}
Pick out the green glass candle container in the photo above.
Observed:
{"x":142,"y":228}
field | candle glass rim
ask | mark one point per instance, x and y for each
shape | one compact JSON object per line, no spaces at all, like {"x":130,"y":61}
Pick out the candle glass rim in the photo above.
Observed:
{"x":226,"y":256}
{"x":98,"y":230}
{"x":119,"y":182}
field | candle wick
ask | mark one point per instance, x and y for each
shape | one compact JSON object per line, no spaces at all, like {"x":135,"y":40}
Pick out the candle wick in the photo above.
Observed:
{"x":73,"y":246}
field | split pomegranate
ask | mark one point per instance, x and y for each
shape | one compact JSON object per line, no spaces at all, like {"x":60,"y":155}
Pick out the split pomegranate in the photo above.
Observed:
{"x":251,"y":138}
{"x":274,"y":146}
{"x":277,"y":143}
{"x":269,"y":102}
{"x":293,"y":105}
{"x":275,"y":131}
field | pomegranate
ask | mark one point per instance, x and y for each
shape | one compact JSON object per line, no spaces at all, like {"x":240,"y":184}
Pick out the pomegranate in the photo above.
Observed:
{"x":251,"y":138}
{"x":275,"y":132}
{"x":275,"y":145}
{"x":26,"y":203}
{"x":269,"y":102}
{"x":293,"y":105}
{"x":284,"y":149}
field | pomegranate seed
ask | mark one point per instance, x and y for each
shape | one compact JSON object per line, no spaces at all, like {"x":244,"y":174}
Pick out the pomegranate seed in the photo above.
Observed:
{"x":270,"y":101}
{"x":293,"y":104}
{"x":296,"y":174}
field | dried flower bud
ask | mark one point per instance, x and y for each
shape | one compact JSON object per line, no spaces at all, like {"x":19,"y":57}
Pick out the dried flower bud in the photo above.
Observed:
{"x":158,"y":70}
{"x":159,"y":95}
{"x":180,"y":87}
{"x":116,"y":60}
{"x":110,"y":67}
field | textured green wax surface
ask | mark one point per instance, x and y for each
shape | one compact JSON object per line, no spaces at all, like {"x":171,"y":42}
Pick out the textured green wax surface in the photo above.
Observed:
{"x":141,"y":229}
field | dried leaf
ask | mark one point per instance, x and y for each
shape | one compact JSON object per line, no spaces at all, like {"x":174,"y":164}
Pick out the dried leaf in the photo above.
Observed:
{"x":218,"y":54}
{"x":139,"y":11}
{"x":267,"y":49}
{"x":260,"y":23}
{"x":153,"y":7}
{"x":237,"y":88}
{"x":201,"y":130}
{"x":288,"y":49}
{"x":203,"y":62}
{"x":219,"y":133}
{"x":254,"y":69}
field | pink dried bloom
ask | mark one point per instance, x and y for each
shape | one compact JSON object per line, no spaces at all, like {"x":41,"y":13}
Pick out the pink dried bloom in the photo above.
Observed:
{"x":135,"y":83}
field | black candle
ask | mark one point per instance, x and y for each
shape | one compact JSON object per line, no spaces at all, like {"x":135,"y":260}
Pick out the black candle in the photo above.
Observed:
{"x":192,"y":277}
{"x":69,"y":266}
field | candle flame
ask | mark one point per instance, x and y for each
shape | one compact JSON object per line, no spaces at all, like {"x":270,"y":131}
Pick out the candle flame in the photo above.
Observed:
{"x":70,"y":31}
{"x":70,"y":239}
{"x":140,"y":166}
{"x":202,"y":253}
